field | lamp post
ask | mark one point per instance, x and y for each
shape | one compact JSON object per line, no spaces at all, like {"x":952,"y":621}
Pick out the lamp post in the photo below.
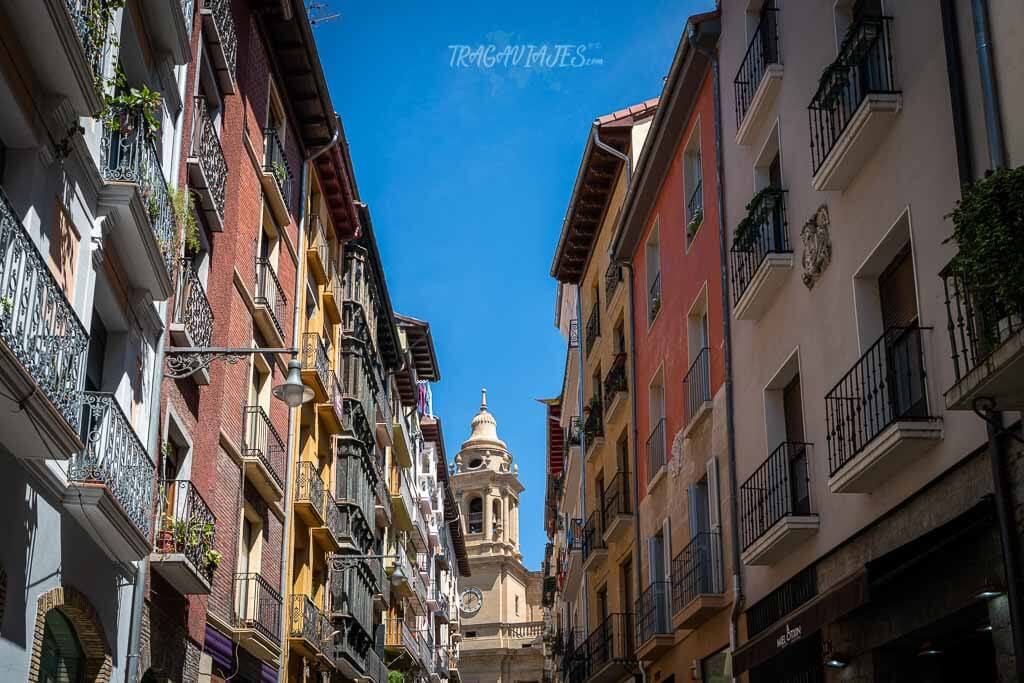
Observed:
{"x":184,"y":361}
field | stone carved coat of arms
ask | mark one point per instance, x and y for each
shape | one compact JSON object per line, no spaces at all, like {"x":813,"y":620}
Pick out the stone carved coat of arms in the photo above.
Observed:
{"x":817,"y":246}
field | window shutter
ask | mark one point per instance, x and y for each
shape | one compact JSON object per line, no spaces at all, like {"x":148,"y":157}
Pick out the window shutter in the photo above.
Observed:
{"x":666,"y":535}
{"x":713,"y":509}
{"x":692,"y":499}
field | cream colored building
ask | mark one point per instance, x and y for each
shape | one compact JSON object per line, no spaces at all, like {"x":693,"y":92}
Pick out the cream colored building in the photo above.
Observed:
{"x":502,"y":618}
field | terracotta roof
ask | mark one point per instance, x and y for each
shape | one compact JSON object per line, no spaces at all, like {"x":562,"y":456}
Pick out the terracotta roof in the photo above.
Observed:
{"x":631,"y":114}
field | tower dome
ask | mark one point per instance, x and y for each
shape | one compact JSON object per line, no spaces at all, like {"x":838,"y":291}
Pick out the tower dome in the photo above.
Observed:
{"x":484,"y":429}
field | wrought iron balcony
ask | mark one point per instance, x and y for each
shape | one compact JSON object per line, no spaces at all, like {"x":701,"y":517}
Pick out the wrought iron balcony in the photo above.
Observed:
{"x":263,"y":447}
{"x":115,"y":458}
{"x":222,"y":41}
{"x":86,"y":16}
{"x":276,"y":165}
{"x":656,"y":452}
{"x":695,"y":208}
{"x":207,"y":165}
{"x":615,"y":382}
{"x":193,"y":315}
{"x":654,"y":299}
{"x":593,"y":424}
{"x":185,"y":529}
{"x":863,"y":68}
{"x":885,"y":387}
{"x":777,"y":490}
{"x":593,"y":327}
{"x":400,"y":636}
{"x":310,"y":496}
{"x":611,"y":648}
{"x":257,"y":609}
{"x":37,"y":323}
{"x":984,"y":337}
{"x":304,"y":623}
{"x":270,"y":300}
{"x":316,"y":363}
{"x":697,"y":388}
{"x":762,"y":52}
{"x":612,"y":280}
{"x":697,"y":570}
{"x":654,"y":621}
{"x":593,"y":536}
{"x":616,"y":502}
{"x":766,"y":244}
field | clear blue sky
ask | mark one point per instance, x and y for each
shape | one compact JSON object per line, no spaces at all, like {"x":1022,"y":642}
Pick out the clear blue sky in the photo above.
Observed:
{"x":468,"y":172}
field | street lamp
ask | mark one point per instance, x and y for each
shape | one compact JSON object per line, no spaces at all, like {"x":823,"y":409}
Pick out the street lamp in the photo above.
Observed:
{"x":185,"y":361}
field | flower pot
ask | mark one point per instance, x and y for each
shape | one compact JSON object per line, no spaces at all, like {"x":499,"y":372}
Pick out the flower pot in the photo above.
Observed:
{"x":165,"y":541}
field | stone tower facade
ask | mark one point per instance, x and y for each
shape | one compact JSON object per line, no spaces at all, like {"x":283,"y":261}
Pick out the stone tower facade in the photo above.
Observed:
{"x":501,"y":600}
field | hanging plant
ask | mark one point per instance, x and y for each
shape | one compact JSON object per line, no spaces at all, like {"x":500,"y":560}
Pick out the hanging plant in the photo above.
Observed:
{"x":280,"y":172}
{"x":748,"y":229}
{"x":988,"y":228}
{"x":183,"y":207}
{"x":695,"y":223}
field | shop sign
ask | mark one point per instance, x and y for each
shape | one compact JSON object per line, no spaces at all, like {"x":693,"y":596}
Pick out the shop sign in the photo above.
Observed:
{"x":790,"y":635}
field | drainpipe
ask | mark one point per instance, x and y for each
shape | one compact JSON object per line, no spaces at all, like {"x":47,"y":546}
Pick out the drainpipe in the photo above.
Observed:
{"x":292,"y":440}
{"x":583,"y":441}
{"x":730,"y":429}
{"x":989,"y":98}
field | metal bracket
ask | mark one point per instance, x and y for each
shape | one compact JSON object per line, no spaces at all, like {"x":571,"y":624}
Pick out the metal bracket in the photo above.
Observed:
{"x":185,"y":361}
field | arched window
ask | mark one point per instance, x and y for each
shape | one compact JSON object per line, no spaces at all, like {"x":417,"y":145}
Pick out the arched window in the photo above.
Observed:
{"x":63,"y":659}
{"x":476,"y":516}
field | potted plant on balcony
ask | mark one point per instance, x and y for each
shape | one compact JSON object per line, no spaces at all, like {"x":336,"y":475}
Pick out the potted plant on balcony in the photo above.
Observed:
{"x":694,"y":224}
{"x":988,"y":228}
{"x":165,"y":537}
{"x":747,"y":230}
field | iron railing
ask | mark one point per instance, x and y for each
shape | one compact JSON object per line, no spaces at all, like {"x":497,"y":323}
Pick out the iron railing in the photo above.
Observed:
{"x":654,"y":299}
{"x":613,"y":641}
{"x":769,"y":236}
{"x":476,"y":523}
{"x":697,"y":569}
{"x":615,"y":381}
{"x":86,"y":16}
{"x":612,"y":280}
{"x":258,"y":606}
{"x":205,"y":146}
{"x":593,"y":327}
{"x":593,"y":534}
{"x":616,"y":498}
{"x":270,"y":293}
{"x":275,"y":162}
{"x":37,"y":322}
{"x":304,"y":619}
{"x":780,"y":487}
{"x":885,"y":385}
{"x":593,"y":424}
{"x":656,"y":450}
{"x":115,"y":457}
{"x":192,"y":309}
{"x":261,"y":440}
{"x":653,"y":611}
{"x":695,"y":204}
{"x":316,"y":357}
{"x":225,"y":23}
{"x":977,"y":325}
{"x":309,"y":487}
{"x":863,"y":67}
{"x":129,"y":155}
{"x":797,"y":591}
{"x":333,"y":518}
{"x":697,"y":384}
{"x":184,"y":523}
{"x":762,"y":51}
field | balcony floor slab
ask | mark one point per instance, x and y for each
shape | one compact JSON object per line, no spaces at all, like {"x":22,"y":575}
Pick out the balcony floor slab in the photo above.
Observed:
{"x":785,"y":535}
{"x":769,"y":278}
{"x":895,"y":448}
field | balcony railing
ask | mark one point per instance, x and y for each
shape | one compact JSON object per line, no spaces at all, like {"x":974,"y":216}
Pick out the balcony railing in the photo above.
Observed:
{"x":697,"y":385}
{"x":129,"y":155}
{"x":886,"y":385}
{"x":653,"y":612}
{"x":977,"y":326}
{"x":617,"y":498}
{"x":770,"y":235}
{"x":780,"y":487}
{"x":574,"y":431}
{"x":225,"y":22}
{"x":593,"y":327}
{"x":656,"y":450}
{"x":258,"y":606}
{"x":262,"y":441}
{"x":593,"y":534}
{"x":37,"y":322}
{"x":762,"y":51}
{"x":593,"y":424}
{"x":615,"y":380}
{"x":612,"y":280}
{"x":315,"y":357}
{"x":86,"y":15}
{"x":270,"y":293}
{"x":613,"y":641}
{"x":524,"y":629}
{"x":476,"y":523}
{"x":304,"y":619}
{"x":115,"y":457}
{"x":695,"y":205}
{"x":192,"y":309}
{"x":863,"y":68}
{"x":275,"y":162}
{"x":697,"y":570}
{"x":205,"y":146}
{"x":309,"y":487}
{"x":654,"y":299}
{"x":185,"y":524}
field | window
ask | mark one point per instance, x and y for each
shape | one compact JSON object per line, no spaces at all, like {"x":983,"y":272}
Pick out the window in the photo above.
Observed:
{"x":693,"y":186}
{"x":652,"y":258}
{"x":63,"y":658}
{"x":626,"y":585}
{"x":656,"y":457}
{"x":476,"y":516}
{"x":63,"y":254}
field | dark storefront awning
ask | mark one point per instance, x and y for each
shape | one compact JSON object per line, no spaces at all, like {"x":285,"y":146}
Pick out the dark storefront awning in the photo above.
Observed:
{"x":841,"y":599}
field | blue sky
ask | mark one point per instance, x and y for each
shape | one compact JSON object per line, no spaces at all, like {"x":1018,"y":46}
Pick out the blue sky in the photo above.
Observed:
{"x":468,"y":172}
